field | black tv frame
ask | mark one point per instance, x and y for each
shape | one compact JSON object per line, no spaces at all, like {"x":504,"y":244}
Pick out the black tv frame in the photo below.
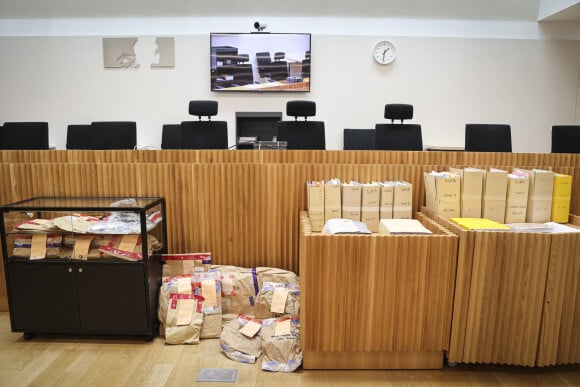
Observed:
{"x":231,"y":72}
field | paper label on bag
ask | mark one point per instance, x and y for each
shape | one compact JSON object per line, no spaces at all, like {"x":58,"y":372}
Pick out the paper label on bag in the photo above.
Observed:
{"x":188,"y":266}
{"x":185,"y":311}
{"x":250,"y":329}
{"x":208,"y":291}
{"x":279,"y":300}
{"x":184,"y":285}
{"x":82,"y":245}
{"x":128,"y":242}
{"x":38,"y":246}
{"x":283,"y":327}
{"x":228,"y":286}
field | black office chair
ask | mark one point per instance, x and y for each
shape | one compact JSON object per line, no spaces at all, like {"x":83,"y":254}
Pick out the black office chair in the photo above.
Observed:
{"x":302,"y":134}
{"x":566,"y":139}
{"x":24,"y":135}
{"x":243,"y":74}
{"x":359,"y":139}
{"x":264,"y":61}
{"x":78,"y":136}
{"x":170,"y":136}
{"x":488,"y":138}
{"x":398,"y":136}
{"x":204,"y":134}
{"x":113,"y":135}
{"x":279,"y":67}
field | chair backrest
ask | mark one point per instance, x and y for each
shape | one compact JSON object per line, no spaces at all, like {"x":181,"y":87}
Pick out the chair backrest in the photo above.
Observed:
{"x":113,"y":135}
{"x":398,"y":136}
{"x":24,"y":135}
{"x":263,"y":58}
{"x":302,"y":134}
{"x":358,"y":139}
{"x":170,"y":136}
{"x":398,"y":111}
{"x":488,"y":138}
{"x":203,"y":134}
{"x":78,"y":136}
{"x":566,"y":139}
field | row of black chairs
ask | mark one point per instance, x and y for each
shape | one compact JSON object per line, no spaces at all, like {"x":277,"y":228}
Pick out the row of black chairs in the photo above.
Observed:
{"x":478,"y":138}
{"x":298,"y":134}
{"x":385,"y":136}
{"x":208,"y":134}
{"x":97,"y":135}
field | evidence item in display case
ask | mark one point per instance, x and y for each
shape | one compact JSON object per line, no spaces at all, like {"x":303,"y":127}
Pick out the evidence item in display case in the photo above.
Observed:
{"x":64,"y":248}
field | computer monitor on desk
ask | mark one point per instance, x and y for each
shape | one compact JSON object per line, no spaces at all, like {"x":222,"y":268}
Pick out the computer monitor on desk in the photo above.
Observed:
{"x":256,"y":126}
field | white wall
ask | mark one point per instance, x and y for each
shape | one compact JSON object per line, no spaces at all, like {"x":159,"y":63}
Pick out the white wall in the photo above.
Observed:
{"x":528,"y":83}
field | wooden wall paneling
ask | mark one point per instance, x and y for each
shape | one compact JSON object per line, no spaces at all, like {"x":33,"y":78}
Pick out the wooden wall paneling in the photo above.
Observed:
{"x":569,"y":345}
{"x":174,"y":183}
{"x":6,"y":183}
{"x":285,"y":198}
{"x":183,"y":213}
{"x":506,"y":297}
{"x":5,"y":197}
{"x":439,"y":286}
{"x":290,"y":156}
{"x":228,"y":209}
{"x":569,"y":338}
{"x":575,"y":200}
{"x":21,"y":186}
{"x":487,"y":158}
{"x":559,"y":300}
{"x":462,"y":285}
{"x":499,"y":297}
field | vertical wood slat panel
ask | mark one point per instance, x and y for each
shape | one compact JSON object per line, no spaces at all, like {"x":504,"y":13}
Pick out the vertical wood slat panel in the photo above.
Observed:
{"x":506,"y":296}
{"x":290,"y":156}
{"x":561,"y":284}
{"x":569,"y":343}
{"x":377,"y":293}
{"x":462,"y":285}
{"x":560,"y":337}
{"x":6,"y":197}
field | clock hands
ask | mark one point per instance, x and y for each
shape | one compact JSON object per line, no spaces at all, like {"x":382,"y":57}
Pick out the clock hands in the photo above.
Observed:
{"x":385,"y":53}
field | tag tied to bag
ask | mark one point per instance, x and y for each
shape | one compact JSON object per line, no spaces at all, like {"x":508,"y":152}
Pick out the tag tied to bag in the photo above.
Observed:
{"x":279,"y":300}
{"x":251,"y":328}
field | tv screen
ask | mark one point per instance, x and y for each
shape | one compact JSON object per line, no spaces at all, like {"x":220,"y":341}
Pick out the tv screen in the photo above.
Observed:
{"x":261,"y":62}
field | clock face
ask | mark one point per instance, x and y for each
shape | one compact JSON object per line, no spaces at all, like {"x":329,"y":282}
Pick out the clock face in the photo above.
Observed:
{"x":384,"y":52}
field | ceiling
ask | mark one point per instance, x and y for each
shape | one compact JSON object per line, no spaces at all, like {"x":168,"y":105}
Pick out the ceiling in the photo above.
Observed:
{"x":526,"y":10}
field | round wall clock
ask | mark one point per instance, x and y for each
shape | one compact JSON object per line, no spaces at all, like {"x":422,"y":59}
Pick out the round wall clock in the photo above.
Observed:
{"x":384,"y":52}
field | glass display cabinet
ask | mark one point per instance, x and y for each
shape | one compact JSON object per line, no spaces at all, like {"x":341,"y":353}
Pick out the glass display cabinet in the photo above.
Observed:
{"x":83,"y":265}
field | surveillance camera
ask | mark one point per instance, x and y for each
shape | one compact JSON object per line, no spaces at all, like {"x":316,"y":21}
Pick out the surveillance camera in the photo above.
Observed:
{"x":259,"y":26}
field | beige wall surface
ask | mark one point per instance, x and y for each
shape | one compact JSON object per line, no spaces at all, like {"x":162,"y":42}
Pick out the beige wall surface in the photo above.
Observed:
{"x":531,"y":84}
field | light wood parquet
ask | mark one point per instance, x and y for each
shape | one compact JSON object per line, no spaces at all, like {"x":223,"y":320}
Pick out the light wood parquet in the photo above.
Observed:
{"x":72,"y":361}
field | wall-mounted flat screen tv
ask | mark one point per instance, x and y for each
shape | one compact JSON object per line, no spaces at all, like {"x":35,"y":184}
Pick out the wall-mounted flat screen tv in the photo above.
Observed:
{"x":260,"y":62}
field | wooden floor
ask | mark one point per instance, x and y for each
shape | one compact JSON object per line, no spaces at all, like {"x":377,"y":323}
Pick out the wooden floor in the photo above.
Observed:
{"x":58,"y":361}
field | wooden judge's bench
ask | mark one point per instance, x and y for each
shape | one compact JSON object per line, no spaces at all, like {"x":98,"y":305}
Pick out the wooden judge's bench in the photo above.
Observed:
{"x":366,"y":301}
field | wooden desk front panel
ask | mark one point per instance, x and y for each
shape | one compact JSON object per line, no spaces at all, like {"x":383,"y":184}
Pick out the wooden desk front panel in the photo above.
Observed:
{"x":499,"y":298}
{"x":376,"y":293}
{"x":560,"y":333}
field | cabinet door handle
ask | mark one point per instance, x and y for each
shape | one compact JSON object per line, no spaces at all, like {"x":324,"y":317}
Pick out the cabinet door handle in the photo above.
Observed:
{"x":70,"y":269}
{"x":80,"y":269}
